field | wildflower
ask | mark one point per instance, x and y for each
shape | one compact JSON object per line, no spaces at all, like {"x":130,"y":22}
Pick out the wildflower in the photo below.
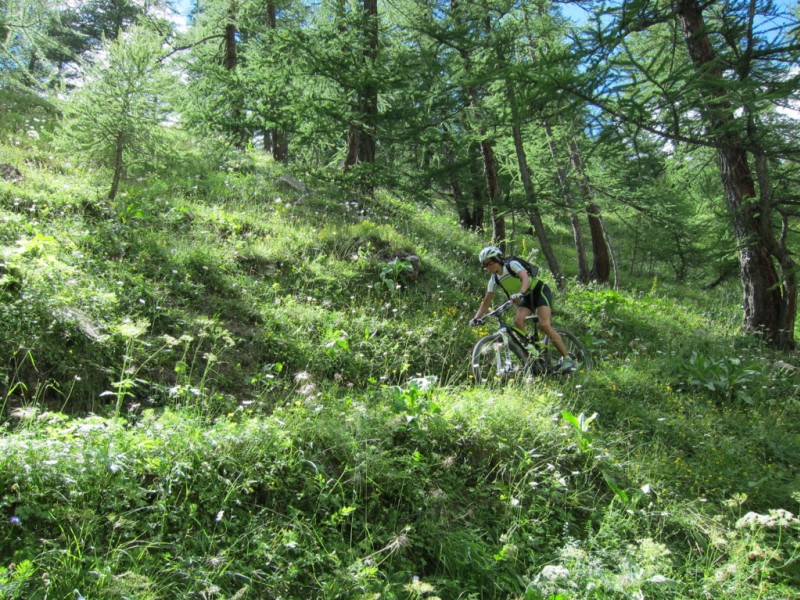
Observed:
{"x":308,"y":390}
{"x":775,"y":519}
{"x":399,"y":541}
{"x":554,"y":573}
{"x":424,"y":384}
{"x":437,"y":494}
{"x":419,"y":588}
{"x":15,"y":520}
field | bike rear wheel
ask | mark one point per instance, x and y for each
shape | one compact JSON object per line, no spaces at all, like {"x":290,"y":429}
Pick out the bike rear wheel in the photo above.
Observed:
{"x":495,"y":364}
{"x":551,"y":357}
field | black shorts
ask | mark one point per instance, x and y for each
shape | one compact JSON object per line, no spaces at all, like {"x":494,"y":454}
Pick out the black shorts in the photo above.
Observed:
{"x":540,"y":295}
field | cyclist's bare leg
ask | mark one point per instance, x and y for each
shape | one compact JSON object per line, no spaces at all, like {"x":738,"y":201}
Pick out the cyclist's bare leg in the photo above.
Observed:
{"x":546,"y":326}
{"x":523,"y":312}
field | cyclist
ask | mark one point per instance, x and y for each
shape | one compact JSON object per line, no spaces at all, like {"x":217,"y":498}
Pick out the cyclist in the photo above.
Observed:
{"x":527,"y":293}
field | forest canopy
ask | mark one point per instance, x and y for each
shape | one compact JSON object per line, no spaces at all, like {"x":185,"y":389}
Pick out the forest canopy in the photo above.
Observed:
{"x":679,"y":117}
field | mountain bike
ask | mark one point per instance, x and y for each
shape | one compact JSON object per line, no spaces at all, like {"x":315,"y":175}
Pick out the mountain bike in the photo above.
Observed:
{"x":509,"y":354}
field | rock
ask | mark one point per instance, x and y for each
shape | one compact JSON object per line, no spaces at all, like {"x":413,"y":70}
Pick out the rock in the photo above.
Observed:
{"x":291,"y":182}
{"x":10,"y":172}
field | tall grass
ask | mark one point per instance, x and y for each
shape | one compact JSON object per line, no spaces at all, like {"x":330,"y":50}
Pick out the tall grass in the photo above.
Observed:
{"x":209,"y":391}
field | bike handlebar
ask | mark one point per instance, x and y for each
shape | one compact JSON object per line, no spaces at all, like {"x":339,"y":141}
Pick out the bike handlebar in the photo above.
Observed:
{"x":496,"y":312}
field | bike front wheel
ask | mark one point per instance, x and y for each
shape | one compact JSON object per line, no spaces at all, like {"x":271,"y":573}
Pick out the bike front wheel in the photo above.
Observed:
{"x":495,"y":363}
{"x":551,"y":357}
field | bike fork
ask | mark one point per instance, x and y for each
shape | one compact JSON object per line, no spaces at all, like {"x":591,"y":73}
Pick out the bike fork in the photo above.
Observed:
{"x":503,"y":358}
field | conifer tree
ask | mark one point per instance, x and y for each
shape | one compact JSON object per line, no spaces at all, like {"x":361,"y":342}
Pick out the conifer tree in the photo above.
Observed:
{"x":113,"y":120}
{"x":712,"y":76}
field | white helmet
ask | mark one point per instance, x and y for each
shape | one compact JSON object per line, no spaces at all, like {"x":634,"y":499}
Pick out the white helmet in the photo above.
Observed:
{"x":490,"y":252}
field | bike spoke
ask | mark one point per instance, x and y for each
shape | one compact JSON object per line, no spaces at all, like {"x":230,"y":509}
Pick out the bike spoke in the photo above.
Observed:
{"x":577,"y":352}
{"x":496,"y":364}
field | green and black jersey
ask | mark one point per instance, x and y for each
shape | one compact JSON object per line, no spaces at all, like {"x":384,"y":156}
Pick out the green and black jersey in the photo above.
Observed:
{"x":539,"y":293}
{"x":509,"y":280}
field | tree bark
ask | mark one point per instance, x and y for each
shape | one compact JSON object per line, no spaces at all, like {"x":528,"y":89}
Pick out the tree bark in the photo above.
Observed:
{"x":493,"y":187}
{"x":770,"y":304}
{"x":230,"y":61}
{"x":470,"y":215}
{"x":486,"y":149}
{"x":527,"y":184}
{"x":277,"y":137}
{"x":533,"y":211}
{"x":577,"y":232}
{"x":361,"y":137}
{"x":231,"y":58}
{"x":478,"y":202}
{"x":601,"y":266}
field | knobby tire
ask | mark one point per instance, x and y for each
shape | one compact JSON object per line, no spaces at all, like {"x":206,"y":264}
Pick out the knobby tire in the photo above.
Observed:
{"x":576,"y":350}
{"x":489,"y":354}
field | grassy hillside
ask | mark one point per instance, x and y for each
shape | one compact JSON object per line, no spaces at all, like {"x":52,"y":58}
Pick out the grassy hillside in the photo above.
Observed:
{"x":223,"y":387}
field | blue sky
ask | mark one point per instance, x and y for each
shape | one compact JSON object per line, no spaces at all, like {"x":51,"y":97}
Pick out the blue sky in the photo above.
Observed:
{"x":183,"y":6}
{"x":569,"y":9}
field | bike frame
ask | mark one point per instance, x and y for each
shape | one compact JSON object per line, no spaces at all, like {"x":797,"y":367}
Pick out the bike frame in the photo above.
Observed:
{"x":532,"y":354}
{"x":508,"y":332}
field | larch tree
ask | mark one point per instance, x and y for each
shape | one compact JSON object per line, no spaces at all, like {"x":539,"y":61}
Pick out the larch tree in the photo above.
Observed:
{"x":507,"y":37}
{"x":113,"y":120}
{"x":767,"y":266}
{"x":361,"y":142}
{"x":714,"y":78}
{"x":561,"y":119}
{"x":440,"y":125}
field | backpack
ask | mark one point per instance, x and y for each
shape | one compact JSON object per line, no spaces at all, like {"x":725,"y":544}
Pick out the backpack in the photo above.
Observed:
{"x":532,"y":270}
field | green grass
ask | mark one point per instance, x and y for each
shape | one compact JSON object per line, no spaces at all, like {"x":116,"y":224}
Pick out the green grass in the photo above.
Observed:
{"x":209,"y":390}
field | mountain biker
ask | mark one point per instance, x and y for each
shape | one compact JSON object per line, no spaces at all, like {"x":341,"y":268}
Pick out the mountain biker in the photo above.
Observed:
{"x":527,"y":293}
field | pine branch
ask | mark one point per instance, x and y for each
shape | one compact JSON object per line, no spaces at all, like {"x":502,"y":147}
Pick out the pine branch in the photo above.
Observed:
{"x":190,"y":46}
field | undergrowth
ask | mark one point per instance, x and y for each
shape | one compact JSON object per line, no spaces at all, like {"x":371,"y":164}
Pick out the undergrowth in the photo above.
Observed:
{"x":209,"y":391}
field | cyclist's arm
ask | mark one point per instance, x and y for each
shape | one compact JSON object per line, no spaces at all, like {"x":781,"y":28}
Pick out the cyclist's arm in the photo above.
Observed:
{"x":485,"y":304}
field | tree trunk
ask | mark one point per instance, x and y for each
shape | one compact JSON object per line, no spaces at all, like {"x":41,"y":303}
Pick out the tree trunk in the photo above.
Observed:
{"x":778,"y":249}
{"x":601,"y":267}
{"x":119,"y":165}
{"x":470,"y":216}
{"x":493,"y":187}
{"x":370,"y":99}
{"x":277,"y":137}
{"x":231,"y":58}
{"x":527,"y":184}
{"x":577,"y":232}
{"x":533,"y":211}
{"x":600,"y":248}
{"x":230,"y":61}
{"x":486,"y":149}
{"x":361,"y":137}
{"x":278,"y":145}
{"x":478,"y":202}
{"x":611,"y":253}
{"x":770,"y":304}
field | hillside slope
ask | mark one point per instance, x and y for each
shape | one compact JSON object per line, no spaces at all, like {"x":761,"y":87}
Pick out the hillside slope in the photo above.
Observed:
{"x":221,"y":386}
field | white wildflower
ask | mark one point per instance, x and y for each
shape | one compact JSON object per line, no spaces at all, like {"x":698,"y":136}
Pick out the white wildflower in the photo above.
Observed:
{"x":554,"y":573}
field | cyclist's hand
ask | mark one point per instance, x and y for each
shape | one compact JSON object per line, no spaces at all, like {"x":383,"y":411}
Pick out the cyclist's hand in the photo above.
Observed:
{"x":516,"y":298}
